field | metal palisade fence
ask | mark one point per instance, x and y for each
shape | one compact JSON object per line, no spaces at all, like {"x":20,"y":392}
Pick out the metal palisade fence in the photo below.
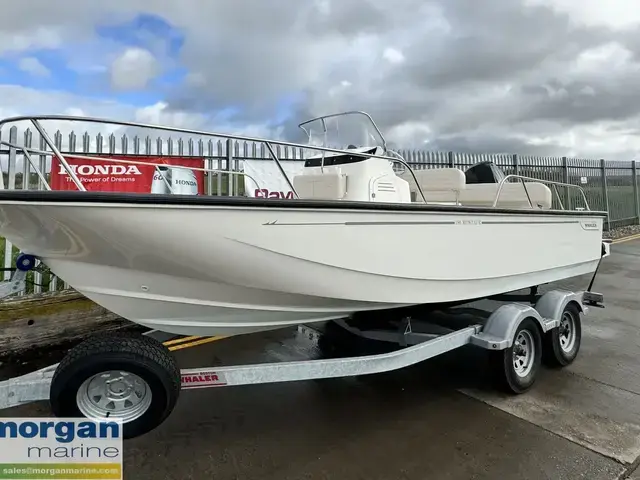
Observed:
{"x":608,"y":185}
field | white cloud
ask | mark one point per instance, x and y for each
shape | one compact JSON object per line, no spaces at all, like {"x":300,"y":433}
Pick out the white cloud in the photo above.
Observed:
{"x":604,"y":58}
{"x":591,"y":138}
{"x":33,"y":66}
{"x":133,"y":69}
{"x":32,"y":38}
{"x":393,"y":55}
{"x":160,"y":114}
{"x":409,"y":133}
{"x":612,"y":13}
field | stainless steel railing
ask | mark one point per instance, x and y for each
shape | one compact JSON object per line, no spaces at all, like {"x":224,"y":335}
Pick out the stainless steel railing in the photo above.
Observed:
{"x":555,"y":184}
{"x":268,"y":143}
{"x":35,"y":120}
{"x":27,"y":151}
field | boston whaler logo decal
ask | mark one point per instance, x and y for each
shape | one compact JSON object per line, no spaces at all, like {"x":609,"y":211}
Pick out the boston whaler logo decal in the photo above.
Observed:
{"x":202,"y":379}
{"x":589,"y":225}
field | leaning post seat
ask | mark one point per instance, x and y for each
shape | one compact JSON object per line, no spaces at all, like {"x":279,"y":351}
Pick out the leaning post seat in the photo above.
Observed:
{"x":512,"y":195}
{"x":439,"y":185}
{"x":450,"y":185}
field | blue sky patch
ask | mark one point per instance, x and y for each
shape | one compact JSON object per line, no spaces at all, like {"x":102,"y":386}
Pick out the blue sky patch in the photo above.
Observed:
{"x":82,"y":68}
{"x":145,"y":31}
{"x":60,"y":78}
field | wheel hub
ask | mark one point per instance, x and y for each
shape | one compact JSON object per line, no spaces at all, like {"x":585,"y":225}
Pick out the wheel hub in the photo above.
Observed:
{"x":523,"y":353}
{"x":567,"y":332}
{"x":114,"y":395}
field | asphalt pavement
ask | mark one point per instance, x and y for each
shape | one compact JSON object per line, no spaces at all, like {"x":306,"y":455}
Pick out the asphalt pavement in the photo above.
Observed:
{"x":438,"y":420}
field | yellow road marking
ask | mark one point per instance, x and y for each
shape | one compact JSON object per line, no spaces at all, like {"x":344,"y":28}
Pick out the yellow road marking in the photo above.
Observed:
{"x":195,"y":343}
{"x":181,"y":340}
{"x":627,"y":239}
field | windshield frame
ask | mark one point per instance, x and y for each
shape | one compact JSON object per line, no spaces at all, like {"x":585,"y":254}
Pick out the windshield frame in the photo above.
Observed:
{"x":305,"y":126}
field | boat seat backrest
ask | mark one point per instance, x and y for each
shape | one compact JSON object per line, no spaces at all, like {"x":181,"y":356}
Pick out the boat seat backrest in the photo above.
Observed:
{"x":449,"y":185}
{"x":437,"y":184}
{"x":512,"y":195}
{"x":331,"y":185}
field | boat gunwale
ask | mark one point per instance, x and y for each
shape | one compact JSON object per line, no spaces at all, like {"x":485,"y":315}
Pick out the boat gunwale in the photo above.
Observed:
{"x":65,"y":196}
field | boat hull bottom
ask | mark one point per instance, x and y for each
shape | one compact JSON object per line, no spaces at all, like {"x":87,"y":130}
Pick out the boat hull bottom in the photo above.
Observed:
{"x":210,"y":320}
{"x":218,"y":331}
{"x":195,"y":317}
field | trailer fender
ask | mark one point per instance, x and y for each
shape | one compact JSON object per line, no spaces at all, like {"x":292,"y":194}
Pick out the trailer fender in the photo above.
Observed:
{"x":551,"y":305}
{"x":499,"y":330}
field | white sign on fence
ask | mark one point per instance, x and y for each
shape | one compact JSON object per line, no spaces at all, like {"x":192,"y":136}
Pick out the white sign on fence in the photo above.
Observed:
{"x":583,"y":180}
{"x":271,"y":182}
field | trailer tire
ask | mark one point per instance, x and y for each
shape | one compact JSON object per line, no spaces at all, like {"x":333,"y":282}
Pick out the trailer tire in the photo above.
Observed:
{"x":562,"y":344}
{"x":516,"y":368}
{"x":133,"y":371}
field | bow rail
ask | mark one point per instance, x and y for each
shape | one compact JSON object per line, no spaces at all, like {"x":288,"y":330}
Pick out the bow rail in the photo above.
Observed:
{"x":269,"y":144}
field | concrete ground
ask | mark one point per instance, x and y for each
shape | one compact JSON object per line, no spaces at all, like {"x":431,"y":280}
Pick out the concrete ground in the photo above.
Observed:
{"x":438,"y":420}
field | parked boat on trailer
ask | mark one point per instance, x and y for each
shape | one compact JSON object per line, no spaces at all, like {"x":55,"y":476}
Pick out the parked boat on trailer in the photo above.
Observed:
{"x":193,"y":264}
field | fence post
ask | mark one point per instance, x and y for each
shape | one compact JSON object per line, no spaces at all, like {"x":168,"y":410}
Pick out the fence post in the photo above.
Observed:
{"x":2,"y":187}
{"x":237,"y":178}
{"x":636,"y":200}
{"x":229,"y":168}
{"x":565,"y":179}
{"x":516,"y":164}
{"x":451,"y":158}
{"x":605,"y":193}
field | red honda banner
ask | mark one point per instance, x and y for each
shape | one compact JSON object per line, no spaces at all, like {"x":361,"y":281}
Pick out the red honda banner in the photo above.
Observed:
{"x":106,"y":175}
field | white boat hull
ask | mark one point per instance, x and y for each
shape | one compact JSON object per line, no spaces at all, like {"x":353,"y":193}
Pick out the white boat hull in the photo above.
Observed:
{"x":226,"y":270}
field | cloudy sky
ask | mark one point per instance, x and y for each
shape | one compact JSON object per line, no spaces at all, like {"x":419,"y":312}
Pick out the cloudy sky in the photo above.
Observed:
{"x":548,"y":77}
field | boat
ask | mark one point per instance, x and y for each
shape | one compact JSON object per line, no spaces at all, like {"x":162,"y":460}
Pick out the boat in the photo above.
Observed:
{"x":364,"y":233}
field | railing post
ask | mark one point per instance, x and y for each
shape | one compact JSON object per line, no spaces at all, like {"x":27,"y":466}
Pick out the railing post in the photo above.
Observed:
{"x":636,"y":199}
{"x":26,"y":166}
{"x":236,"y":178}
{"x":11,"y":185}
{"x":605,"y":192}
{"x":2,"y":187}
{"x":565,"y":179}
{"x":229,"y":163}
{"x":42,"y":163}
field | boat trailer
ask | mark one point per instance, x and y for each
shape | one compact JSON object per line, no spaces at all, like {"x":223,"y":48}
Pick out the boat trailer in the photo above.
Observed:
{"x":134,"y":378}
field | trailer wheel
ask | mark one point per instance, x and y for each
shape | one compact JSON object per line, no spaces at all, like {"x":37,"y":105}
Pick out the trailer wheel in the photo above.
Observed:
{"x":561,"y":344}
{"x":127,"y":377}
{"x":517,"y":367}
